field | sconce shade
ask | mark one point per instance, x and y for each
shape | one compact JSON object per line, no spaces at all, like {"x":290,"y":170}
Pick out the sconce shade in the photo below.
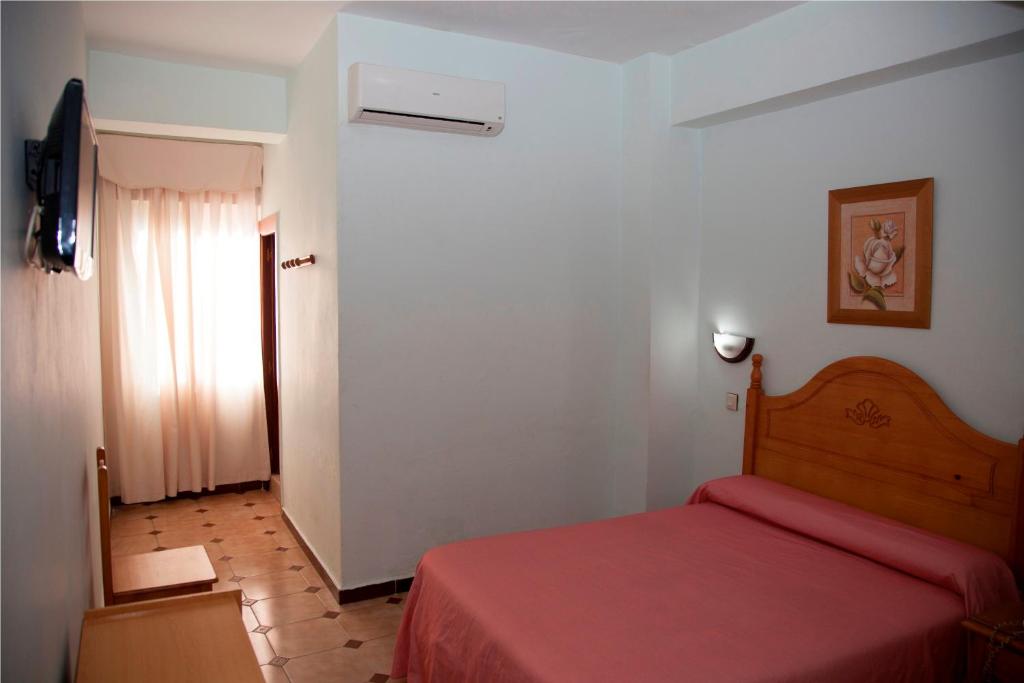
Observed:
{"x":732,"y":348}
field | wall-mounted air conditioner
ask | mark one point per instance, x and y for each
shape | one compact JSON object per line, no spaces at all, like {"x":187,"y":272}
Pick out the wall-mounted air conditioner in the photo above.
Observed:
{"x":414,"y":99}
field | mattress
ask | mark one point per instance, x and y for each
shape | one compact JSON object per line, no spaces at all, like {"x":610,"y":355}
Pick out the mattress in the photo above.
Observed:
{"x":750,"y":582}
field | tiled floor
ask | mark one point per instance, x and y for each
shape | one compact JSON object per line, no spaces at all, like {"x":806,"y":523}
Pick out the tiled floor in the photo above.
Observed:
{"x":298,"y":631}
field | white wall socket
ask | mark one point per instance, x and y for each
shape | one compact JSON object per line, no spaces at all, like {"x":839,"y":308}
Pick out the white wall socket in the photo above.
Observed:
{"x":732,"y":401}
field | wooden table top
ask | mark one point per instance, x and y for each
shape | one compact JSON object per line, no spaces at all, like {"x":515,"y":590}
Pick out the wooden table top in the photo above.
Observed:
{"x":192,"y":638}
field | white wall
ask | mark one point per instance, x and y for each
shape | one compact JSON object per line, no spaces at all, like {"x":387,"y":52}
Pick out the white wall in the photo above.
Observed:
{"x":821,"y":49}
{"x":716,"y":258}
{"x":50,"y":362}
{"x":641,"y":133}
{"x":764,"y":243}
{"x":478,"y":289}
{"x":300,"y":182}
{"x":675,"y":269}
{"x":525,"y":321}
{"x":138,"y":95}
{"x":658,"y":294}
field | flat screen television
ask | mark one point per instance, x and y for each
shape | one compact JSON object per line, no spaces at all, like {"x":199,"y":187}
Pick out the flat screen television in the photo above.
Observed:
{"x":65,"y":177}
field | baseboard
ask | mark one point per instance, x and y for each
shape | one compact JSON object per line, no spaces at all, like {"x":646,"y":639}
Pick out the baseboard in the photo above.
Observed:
{"x":348,"y":595}
{"x":240,"y":487}
{"x":317,"y":565}
{"x":374,"y":590}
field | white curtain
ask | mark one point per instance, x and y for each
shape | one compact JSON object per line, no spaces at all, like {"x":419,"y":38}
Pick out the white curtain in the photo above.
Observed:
{"x":180,"y":328}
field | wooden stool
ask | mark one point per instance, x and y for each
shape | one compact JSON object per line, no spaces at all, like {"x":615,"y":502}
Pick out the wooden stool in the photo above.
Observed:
{"x":147,"y":576}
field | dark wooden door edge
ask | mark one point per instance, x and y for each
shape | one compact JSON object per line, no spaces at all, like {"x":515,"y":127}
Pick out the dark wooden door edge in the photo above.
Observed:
{"x":268,"y":335}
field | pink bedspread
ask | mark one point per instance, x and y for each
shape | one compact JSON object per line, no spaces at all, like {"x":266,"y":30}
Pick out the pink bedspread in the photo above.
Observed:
{"x":756,"y":582}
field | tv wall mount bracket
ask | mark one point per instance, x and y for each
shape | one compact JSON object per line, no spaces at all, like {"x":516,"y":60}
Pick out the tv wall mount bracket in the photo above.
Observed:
{"x":33,"y":156}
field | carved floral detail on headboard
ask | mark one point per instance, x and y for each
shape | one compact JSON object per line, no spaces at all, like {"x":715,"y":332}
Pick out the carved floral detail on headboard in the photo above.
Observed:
{"x":868,"y":413}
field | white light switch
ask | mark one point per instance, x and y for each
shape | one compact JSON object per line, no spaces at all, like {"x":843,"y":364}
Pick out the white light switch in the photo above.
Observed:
{"x":732,"y":401}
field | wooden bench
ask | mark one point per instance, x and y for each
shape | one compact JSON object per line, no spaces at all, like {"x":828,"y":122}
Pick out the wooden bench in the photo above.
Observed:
{"x":147,"y":576}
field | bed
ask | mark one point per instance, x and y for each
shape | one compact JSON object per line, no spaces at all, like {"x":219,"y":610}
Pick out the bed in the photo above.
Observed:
{"x":868,"y":522}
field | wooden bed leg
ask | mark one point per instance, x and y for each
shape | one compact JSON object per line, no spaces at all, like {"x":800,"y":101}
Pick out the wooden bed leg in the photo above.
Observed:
{"x":754,"y":393}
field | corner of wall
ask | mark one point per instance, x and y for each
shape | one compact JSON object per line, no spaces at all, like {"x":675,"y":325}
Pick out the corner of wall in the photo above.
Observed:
{"x":659,"y":272}
{"x":300,"y":183}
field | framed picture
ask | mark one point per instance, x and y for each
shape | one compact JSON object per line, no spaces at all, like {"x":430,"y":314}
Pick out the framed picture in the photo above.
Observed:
{"x":880,"y":254}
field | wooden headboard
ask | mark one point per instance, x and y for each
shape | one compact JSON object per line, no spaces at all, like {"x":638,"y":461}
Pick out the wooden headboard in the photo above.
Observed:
{"x":872,"y":434}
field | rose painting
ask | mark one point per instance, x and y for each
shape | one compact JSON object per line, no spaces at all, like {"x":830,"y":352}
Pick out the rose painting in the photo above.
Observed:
{"x":878,"y":267}
{"x":880,"y":254}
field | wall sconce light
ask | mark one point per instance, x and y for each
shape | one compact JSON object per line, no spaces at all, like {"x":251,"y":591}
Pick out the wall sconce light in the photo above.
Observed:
{"x":733,"y":348}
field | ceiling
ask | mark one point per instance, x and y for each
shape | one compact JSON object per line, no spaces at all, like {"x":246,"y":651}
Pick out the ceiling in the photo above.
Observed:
{"x":274,"y":36}
{"x":261,"y":36}
{"x":612,"y":31}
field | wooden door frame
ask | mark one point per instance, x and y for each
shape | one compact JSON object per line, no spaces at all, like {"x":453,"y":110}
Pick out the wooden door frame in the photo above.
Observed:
{"x":268,"y":333}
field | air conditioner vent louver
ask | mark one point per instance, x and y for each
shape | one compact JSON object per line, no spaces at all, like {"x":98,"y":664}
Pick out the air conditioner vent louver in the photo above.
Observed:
{"x":413,"y":99}
{"x":423,"y":116}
